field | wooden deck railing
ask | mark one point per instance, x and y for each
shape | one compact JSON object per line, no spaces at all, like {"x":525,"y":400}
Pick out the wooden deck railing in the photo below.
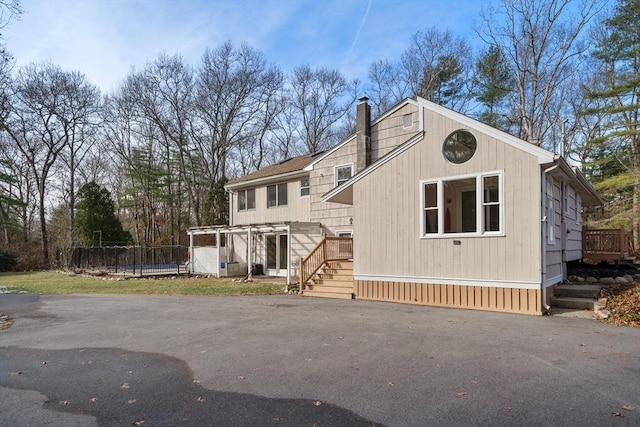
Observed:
{"x":606,"y":245}
{"x":329,"y":249}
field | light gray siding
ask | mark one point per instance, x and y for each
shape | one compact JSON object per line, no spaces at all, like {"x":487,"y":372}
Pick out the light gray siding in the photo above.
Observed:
{"x":387,"y":221}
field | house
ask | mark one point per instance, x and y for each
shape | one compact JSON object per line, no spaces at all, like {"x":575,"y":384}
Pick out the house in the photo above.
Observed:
{"x":422,"y":205}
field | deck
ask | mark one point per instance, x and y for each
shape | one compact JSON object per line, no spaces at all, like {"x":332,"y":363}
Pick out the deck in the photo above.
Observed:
{"x":610,"y":245}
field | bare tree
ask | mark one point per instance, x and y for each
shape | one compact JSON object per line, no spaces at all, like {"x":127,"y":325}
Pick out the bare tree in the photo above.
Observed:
{"x":321,"y":98}
{"x":40,"y":126}
{"x":437,"y":66}
{"x":540,"y":41}
{"x":388,"y":85}
{"x":238,"y":98}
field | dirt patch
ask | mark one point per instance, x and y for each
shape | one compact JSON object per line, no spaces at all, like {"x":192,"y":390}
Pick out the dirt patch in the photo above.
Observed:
{"x":5,"y":322}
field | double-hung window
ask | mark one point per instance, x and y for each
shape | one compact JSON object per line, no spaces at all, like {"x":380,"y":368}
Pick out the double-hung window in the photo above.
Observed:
{"x":342,"y":174}
{"x":551,"y":213}
{"x":276,"y":195}
{"x":467,"y":205}
{"x":247,"y":199}
{"x":304,"y":187}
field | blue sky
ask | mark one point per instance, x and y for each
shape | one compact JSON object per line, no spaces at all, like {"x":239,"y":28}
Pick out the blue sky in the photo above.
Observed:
{"x":104,"y":39}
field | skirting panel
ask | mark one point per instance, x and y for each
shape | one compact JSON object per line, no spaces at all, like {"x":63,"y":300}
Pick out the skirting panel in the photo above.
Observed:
{"x":511,"y":300}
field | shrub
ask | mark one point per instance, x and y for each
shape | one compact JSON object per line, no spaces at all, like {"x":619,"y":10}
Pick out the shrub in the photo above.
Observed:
{"x":7,"y":260}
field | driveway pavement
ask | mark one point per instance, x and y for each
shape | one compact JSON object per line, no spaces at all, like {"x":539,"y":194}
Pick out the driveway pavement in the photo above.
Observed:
{"x":116,"y":360}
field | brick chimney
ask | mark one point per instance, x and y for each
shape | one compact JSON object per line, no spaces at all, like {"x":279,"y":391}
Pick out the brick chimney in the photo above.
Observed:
{"x":363,"y":134}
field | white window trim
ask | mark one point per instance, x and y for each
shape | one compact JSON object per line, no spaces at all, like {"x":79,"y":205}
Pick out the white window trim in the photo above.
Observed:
{"x":404,"y":126}
{"x":301,"y":187}
{"x":551,"y":212}
{"x":246,"y":200}
{"x":335,"y":172}
{"x":277,"y":205}
{"x":337,"y":233}
{"x":578,"y":206}
{"x":566,"y":201}
{"x":479,"y":206}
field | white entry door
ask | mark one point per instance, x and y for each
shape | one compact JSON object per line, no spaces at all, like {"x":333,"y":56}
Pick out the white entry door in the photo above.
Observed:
{"x":277,"y":251}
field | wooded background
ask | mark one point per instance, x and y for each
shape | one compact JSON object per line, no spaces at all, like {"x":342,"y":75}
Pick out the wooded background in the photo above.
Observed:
{"x":150,"y":159}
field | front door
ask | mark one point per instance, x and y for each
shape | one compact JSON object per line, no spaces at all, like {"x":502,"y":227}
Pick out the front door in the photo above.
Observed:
{"x":277,"y":251}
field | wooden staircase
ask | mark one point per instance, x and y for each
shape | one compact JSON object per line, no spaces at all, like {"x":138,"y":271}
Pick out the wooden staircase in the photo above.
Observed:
{"x":333,"y":280}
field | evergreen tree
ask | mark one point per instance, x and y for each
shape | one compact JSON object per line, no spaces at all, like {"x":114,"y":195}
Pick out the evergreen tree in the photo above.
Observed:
{"x":216,"y":205}
{"x":493,"y":82}
{"x":95,"y":213}
{"x":619,"y":51}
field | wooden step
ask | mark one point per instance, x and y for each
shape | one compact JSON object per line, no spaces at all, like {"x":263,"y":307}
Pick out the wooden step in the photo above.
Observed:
{"x":342,"y":277}
{"x":344,"y":283}
{"x":330,"y":288}
{"x":578,"y":291}
{"x":322,"y":294}
{"x":340,"y":265}
{"x":575,"y":303}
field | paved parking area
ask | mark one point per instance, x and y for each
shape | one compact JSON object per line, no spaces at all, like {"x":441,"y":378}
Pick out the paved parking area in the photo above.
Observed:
{"x":286,"y":360}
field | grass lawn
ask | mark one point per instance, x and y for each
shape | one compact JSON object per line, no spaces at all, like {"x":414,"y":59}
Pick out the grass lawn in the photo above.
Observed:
{"x":56,"y":282}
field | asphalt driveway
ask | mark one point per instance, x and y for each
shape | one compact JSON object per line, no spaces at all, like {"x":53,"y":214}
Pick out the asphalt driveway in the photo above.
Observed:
{"x":115,"y":360}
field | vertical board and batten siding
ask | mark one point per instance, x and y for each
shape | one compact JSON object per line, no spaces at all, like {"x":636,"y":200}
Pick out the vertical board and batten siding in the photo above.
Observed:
{"x":388,"y":242}
{"x":388,"y":133}
{"x":296,"y":209}
{"x":473,"y":297}
{"x":333,"y":216}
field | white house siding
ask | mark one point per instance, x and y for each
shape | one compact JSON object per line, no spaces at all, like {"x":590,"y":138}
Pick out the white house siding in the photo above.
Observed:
{"x":296,"y":209}
{"x":388,"y":133}
{"x":333,"y":216}
{"x":388,"y":246}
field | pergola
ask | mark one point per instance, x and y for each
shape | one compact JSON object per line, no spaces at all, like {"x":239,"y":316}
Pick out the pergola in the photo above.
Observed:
{"x":250,"y":230}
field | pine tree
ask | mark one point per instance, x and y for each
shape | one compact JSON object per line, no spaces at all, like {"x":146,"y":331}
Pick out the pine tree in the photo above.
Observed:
{"x":95,"y":213}
{"x":493,"y":82}
{"x":620,"y":97}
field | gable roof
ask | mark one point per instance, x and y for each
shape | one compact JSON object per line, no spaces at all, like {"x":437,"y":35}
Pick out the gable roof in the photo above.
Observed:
{"x":287,"y":167}
{"x":343,"y":193}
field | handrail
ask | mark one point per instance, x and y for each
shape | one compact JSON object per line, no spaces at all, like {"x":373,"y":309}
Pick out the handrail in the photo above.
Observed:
{"x":329,"y":249}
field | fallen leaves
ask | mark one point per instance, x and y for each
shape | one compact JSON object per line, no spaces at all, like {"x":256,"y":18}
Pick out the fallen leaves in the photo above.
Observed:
{"x":124,"y":385}
{"x":201,"y":399}
{"x":131,"y":401}
{"x":93,"y":400}
{"x":11,"y":374}
{"x":461,"y":394}
{"x":629,"y":408}
{"x":138,"y":422}
{"x":623,"y":302}
{"x":317,"y":403}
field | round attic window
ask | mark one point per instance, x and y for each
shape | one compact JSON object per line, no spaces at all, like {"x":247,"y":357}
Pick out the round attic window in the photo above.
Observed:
{"x":459,"y":147}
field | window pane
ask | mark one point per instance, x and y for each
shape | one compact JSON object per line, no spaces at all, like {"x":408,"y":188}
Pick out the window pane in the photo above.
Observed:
{"x":242,"y":203}
{"x":251,"y":198}
{"x":431,"y":195}
{"x":490,"y":186}
{"x":460,"y":206}
{"x":492,"y":218}
{"x":304,"y":187}
{"x":343,"y":174}
{"x":431,"y":221}
{"x":282,"y":194}
{"x":271,"y":196}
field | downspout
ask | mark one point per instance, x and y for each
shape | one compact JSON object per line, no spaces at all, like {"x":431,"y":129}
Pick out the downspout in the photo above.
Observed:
{"x":545,"y":239}
{"x":191,"y":260}
{"x":288,"y":255}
